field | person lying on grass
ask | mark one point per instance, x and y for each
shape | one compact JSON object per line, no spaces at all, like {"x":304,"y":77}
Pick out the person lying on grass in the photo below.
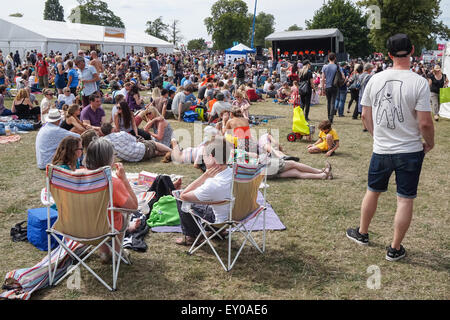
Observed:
{"x":328,"y":140}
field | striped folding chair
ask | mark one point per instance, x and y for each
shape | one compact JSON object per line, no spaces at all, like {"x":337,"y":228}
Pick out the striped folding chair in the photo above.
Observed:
{"x":244,"y":208}
{"x":85,"y":215}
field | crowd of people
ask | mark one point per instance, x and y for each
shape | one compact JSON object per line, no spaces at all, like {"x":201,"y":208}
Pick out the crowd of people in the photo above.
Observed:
{"x":220,"y":92}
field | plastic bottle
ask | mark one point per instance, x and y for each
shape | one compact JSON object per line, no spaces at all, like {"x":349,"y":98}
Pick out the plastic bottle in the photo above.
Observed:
{"x":7,"y":130}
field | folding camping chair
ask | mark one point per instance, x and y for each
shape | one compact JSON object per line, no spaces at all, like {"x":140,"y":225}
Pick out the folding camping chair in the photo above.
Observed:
{"x":84,"y":200}
{"x":243,"y":208}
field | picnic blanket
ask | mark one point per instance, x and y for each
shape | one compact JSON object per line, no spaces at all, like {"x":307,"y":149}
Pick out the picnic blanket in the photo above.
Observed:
{"x":273,"y":222}
{"x":8,"y":139}
{"x":22,"y":283}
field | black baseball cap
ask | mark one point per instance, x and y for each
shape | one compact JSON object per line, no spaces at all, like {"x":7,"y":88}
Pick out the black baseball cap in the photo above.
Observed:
{"x":399,"y":45}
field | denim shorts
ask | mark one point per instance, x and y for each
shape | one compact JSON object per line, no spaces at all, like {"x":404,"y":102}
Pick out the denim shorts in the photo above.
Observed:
{"x":407,"y":167}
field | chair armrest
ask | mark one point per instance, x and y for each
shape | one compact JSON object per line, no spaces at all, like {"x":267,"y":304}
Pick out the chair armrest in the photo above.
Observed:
{"x":176,"y":195}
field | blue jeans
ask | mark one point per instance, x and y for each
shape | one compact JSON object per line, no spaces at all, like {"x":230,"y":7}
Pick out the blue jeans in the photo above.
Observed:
{"x":340,"y":101}
{"x":407,"y":167}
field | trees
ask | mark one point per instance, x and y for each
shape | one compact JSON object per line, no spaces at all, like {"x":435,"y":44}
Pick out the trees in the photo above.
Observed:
{"x":294,"y":27}
{"x":53,"y":10}
{"x":417,"y":18}
{"x":197,"y":44}
{"x":95,"y":12}
{"x":350,"y":20}
{"x":175,"y":33}
{"x":157,"y":28}
{"x":264,"y":25}
{"x":229,"y":21}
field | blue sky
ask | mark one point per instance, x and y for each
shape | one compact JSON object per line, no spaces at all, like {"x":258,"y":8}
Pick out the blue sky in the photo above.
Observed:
{"x":190,"y":13}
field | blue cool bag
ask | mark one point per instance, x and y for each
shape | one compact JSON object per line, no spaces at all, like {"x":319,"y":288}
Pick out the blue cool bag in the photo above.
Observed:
{"x":190,"y":116}
{"x":37,"y":224}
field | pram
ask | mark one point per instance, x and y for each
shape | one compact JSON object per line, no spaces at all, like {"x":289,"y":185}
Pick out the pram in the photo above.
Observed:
{"x":300,"y":127}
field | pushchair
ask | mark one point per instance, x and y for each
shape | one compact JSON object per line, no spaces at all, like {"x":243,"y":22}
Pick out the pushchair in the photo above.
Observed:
{"x":300,"y":127}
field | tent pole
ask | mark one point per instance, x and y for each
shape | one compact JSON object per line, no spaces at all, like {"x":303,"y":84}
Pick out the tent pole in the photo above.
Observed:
{"x":253,"y":29}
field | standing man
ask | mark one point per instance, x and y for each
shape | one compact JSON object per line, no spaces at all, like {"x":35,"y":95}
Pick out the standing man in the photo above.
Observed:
{"x":42,"y":72}
{"x":328,"y":74}
{"x":154,"y":65}
{"x":88,"y":76}
{"x":17,"y":61}
{"x":397,"y":113}
{"x":97,"y":64}
{"x":240,"y":73}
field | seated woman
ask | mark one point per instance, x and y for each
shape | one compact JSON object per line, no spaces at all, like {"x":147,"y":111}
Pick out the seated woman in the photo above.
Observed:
{"x":251,"y":93}
{"x":3,"y":110}
{"x":162,"y":131}
{"x":67,"y":97}
{"x":284,"y":93}
{"x":72,"y":120}
{"x":68,"y":153}
{"x":124,"y":120}
{"x":100,"y":153}
{"x":134,"y":99}
{"x":242,"y":104}
{"x":23,"y":107}
{"x":328,"y":140}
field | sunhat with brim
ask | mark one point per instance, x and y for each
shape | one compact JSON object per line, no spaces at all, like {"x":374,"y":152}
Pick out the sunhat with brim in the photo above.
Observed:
{"x":436,"y":68}
{"x":53,"y":115}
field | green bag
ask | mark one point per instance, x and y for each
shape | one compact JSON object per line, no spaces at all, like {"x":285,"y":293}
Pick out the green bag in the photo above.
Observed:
{"x":164,"y":213}
{"x":444,"y":95}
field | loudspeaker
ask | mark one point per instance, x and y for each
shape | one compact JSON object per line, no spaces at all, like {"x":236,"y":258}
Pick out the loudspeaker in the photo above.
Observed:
{"x":259,"y":53}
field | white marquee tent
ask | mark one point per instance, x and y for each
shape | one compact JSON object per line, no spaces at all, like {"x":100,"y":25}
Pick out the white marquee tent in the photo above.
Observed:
{"x":25,"y":34}
{"x":237,"y":52}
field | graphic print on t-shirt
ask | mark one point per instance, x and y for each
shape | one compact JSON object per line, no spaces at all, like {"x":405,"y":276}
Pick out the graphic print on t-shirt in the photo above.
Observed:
{"x":389,"y":103}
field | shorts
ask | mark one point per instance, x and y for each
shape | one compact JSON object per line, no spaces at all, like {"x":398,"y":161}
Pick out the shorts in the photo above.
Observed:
{"x":150,"y":149}
{"x":407,"y":167}
{"x":43,"y":81}
{"x":275,"y":168}
{"x":324,"y":146}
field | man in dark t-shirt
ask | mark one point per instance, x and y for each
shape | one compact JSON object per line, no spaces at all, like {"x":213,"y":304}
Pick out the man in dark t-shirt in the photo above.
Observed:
{"x":240,"y":73}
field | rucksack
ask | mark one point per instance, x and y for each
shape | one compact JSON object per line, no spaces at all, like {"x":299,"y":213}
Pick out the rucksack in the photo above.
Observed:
{"x":164,"y":213}
{"x":303,"y":88}
{"x":338,"y":80}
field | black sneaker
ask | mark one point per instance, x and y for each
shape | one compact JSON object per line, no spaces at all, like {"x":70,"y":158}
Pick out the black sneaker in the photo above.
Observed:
{"x":394,"y":254}
{"x":354,"y":235}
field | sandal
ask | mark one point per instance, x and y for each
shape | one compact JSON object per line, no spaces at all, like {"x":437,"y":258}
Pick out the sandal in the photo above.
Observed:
{"x":185,"y":241}
{"x":329,"y":176}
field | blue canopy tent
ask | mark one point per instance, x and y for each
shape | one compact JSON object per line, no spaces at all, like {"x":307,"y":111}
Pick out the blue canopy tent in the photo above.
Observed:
{"x":237,"y":52}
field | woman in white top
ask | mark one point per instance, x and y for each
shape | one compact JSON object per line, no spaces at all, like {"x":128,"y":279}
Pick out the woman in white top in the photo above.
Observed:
{"x":67,"y":97}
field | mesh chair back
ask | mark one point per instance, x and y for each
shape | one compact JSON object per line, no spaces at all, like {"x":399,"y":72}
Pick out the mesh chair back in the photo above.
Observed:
{"x":82,"y":200}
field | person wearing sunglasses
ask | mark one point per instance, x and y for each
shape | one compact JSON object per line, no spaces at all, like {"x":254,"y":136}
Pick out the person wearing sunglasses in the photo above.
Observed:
{"x":68,"y":153}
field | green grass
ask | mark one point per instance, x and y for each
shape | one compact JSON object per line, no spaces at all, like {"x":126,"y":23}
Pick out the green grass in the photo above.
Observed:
{"x":311,"y":259}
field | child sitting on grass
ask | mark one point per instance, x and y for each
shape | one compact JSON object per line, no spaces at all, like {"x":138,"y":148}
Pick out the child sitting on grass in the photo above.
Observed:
{"x":328,"y":140}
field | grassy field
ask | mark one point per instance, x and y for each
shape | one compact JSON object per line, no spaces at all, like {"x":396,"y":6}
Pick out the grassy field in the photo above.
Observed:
{"x":311,"y":259}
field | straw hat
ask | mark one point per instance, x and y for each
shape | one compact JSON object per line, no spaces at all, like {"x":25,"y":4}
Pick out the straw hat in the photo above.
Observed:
{"x":53,"y":115}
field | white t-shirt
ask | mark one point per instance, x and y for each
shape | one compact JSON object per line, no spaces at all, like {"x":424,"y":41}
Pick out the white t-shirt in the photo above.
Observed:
{"x":45,"y":108}
{"x":217,"y":188}
{"x":395,"y":96}
{"x":67,"y":99}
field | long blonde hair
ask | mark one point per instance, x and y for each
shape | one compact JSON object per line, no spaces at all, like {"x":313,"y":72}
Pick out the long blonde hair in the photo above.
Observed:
{"x":22,"y":94}
{"x":156,"y":93}
{"x":304,"y":70}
